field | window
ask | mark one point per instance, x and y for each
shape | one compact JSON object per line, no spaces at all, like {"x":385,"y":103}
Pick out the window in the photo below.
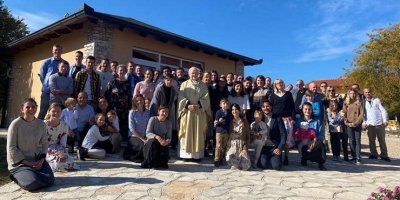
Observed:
{"x":188,"y":64}
{"x":154,"y":60}
{"x":145,"y":55}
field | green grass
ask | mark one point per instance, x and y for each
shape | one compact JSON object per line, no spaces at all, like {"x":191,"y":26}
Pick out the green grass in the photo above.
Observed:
{"x":4,"y":174}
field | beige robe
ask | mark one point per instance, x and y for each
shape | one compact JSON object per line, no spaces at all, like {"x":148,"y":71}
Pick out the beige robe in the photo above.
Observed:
{"x":193,"y":125}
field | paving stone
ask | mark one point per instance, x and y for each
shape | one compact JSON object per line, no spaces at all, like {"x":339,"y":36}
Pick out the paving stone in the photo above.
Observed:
{"x":241,"y":190}
{"x":114,"y":178}
{"x":351,"y":195}
{"x":313,"y":192}
{"x":310,"y":184}
{"x":10,"y":195}
{"x":11,"y":187}
{"x":69,"y":195}
{"x":217,"y":191}
{"x":133,"y":195}
{"x":106,"y":197}
{"x":184,"y":189}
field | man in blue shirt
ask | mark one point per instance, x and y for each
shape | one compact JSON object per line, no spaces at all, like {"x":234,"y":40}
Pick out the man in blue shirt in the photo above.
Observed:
{"x":49,"y":67}
{"x":132,"y":78}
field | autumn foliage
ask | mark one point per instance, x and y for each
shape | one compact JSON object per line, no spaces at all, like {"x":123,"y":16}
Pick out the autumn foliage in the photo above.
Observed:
{"x":377,"y":66}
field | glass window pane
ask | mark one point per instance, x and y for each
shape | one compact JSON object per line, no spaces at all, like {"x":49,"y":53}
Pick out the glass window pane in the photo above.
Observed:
{"x":144,"y":55}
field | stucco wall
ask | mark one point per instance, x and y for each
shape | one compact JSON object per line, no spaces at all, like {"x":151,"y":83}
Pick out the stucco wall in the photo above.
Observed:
{"x":125,"y":41}
{"x":25,"y":81}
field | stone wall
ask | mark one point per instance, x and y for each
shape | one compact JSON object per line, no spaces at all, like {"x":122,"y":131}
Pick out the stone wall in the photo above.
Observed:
{"x":99,"y":40}
{"x":239,"y":68}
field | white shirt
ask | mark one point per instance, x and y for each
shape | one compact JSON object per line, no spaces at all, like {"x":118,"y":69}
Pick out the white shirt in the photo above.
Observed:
{"x":69,"y":117}
{"x":92,"y":137}
{"x":375,"y":113}
{"x":88,"y":88}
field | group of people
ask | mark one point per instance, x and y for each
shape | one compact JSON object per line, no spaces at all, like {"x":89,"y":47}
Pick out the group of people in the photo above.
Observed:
{"x":242,"y":122}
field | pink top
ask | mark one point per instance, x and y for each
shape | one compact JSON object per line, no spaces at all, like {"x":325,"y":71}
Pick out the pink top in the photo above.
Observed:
{"x":302,"y":134}
{"x":145,"y":89}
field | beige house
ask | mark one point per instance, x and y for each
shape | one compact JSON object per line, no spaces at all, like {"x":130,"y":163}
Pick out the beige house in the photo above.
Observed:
{"x":114,"y":37}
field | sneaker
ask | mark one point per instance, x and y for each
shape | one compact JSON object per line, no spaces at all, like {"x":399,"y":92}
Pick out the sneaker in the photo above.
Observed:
{"x":372,"y":157}
{"x":387,"y":159}
{"x":358,"y":161}
{"x":321,"y":167}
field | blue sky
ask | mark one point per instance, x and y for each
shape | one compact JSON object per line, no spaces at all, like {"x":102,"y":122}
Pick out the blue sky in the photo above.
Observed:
{"x":297,"y":39}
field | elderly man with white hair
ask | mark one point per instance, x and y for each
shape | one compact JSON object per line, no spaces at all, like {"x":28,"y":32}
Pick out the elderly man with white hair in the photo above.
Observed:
{"x":193,"y":110}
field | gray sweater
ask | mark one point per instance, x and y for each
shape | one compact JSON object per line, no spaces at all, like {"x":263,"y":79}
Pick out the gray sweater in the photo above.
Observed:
{"x":162,"y":129}
{"x":26,"y":141}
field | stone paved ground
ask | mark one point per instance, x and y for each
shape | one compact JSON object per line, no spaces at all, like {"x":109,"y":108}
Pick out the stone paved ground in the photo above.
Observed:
{"x":117,"y":179}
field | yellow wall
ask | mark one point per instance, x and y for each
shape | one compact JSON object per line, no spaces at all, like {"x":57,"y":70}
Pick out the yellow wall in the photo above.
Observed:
{"x":125,"y":41}
{"x":26,"y":65}
{"x":25,"y":82}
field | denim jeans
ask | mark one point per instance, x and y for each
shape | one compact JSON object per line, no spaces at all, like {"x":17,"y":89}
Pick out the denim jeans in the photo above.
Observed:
{"x":354,"y":134}
{"x":30,"y":179}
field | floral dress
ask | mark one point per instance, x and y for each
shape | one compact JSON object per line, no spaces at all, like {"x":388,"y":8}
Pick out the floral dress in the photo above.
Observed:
{"x":236,"y":144}
{"x":57,"y":144}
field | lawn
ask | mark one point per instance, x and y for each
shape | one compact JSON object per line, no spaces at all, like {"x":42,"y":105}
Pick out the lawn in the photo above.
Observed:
{"x":4,"y":174}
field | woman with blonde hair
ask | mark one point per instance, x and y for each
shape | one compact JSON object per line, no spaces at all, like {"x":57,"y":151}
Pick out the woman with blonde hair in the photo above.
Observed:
{"x":283,"y":107}
{"x":57,"y":154}
{"x":353,"y":119}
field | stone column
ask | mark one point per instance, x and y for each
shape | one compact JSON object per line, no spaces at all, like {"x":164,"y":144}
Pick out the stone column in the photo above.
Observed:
{"x":239,"y":68}
{"x":99,"y":40}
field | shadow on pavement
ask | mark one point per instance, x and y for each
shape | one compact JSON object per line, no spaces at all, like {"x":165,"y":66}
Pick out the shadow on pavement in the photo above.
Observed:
{"x":344,"y":166}
{"x":85,"y":181}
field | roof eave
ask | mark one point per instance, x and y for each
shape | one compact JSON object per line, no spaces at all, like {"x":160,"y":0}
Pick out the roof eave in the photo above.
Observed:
{"x":88,"y":11}
{"x":65,"y":20}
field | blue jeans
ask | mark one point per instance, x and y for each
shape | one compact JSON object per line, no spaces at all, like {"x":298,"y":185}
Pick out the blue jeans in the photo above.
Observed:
{"x":268,"y":160}
{"x":30,"y":179}
{"x":354,"y":134}
{"x":44,"y":104}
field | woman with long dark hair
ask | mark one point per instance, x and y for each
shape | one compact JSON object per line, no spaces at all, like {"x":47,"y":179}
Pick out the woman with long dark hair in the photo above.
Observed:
{"x":238,"y":96}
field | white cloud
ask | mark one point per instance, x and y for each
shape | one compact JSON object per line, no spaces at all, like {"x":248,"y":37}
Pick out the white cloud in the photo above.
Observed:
{"x":35,"y":21}
{"x":343,"y":26}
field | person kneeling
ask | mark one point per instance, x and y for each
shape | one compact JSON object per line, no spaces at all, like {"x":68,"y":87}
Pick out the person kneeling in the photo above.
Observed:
{"x":237,"y":155}
{"x":158,"y":133}
{"x":26,"y":150}
{"x":309,"y":147}
{"x":95,"y":145}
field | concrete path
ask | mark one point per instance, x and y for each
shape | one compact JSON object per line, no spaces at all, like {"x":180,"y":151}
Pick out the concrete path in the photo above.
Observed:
{"x":116,"y":179}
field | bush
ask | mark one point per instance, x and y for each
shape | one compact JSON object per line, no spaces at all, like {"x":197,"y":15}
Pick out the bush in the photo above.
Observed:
{"x":386,"y":194}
